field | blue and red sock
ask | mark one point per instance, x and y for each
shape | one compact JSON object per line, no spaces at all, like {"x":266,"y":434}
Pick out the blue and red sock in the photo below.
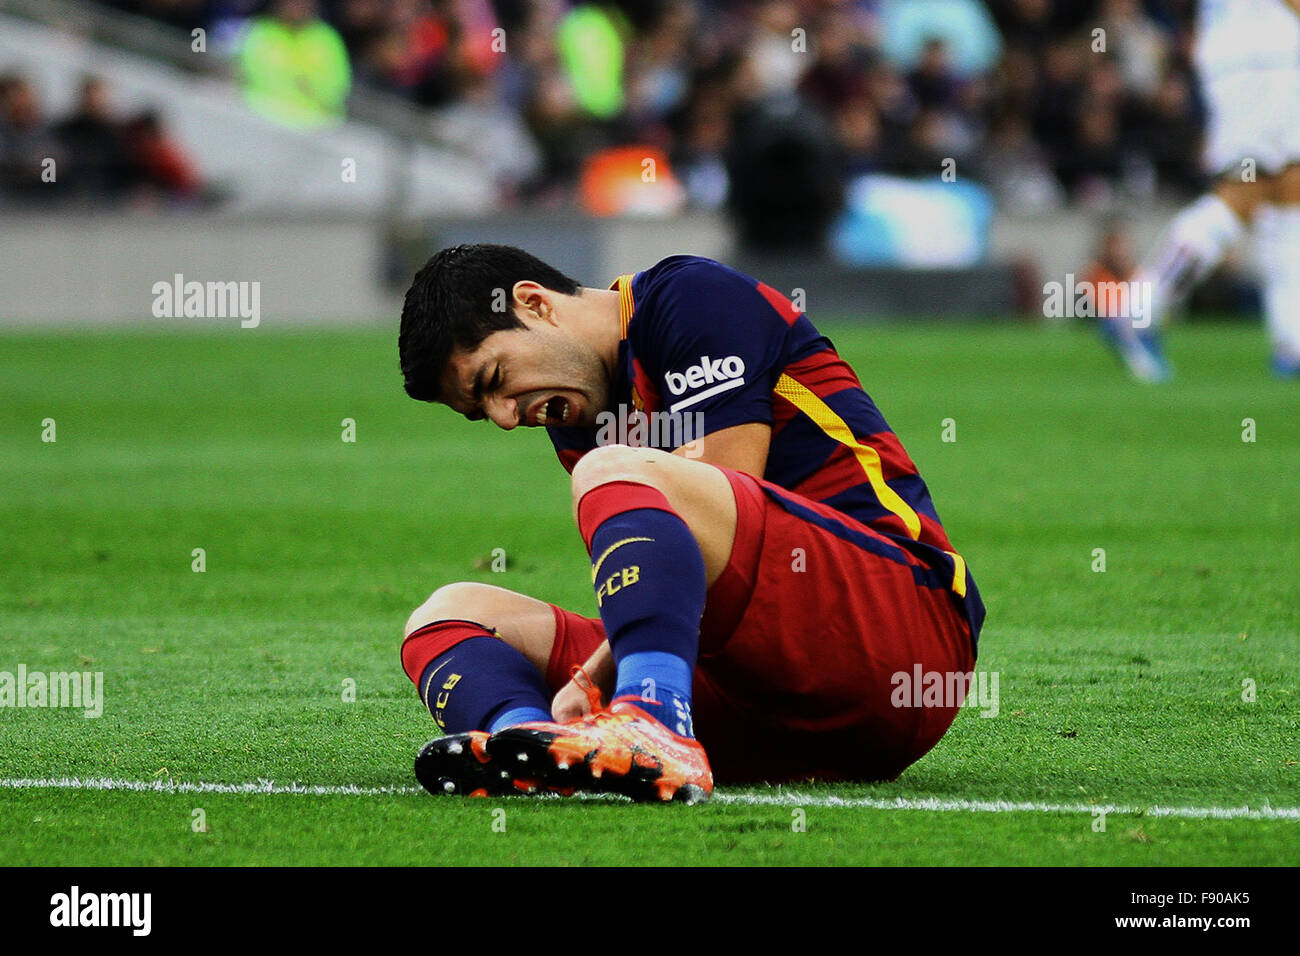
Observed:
{"x":472,"y":680}
{"x":650,"y":587}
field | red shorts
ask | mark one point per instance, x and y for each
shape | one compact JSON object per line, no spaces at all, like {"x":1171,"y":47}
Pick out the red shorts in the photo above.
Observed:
{"x":802,"y":636}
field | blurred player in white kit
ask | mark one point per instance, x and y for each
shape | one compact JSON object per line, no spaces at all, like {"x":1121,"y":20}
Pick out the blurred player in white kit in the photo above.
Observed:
{"x":1247,"y":54}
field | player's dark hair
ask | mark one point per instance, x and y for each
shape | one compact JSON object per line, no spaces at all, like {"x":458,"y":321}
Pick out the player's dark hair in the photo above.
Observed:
{"x":460,"y":297}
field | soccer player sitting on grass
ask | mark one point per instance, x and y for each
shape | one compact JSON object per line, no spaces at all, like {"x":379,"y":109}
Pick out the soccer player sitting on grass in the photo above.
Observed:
{"x":759,"y":587}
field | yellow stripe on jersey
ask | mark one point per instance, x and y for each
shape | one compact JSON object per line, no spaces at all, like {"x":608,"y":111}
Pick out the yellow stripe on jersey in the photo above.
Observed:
{"x":958,"y":573}
{"x":824,"y":417}
{"x":626,"y":305}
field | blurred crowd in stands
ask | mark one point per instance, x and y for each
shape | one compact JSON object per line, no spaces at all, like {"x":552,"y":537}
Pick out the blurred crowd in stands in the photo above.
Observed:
{"x":733,"y":94}
{"x":92,"y":155}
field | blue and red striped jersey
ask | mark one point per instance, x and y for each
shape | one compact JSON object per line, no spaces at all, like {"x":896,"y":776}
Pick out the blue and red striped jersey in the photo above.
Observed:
{"x":705,"y":348}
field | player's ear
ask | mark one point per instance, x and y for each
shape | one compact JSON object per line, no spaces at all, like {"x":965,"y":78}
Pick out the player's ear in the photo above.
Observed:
{"x":535,"y":300}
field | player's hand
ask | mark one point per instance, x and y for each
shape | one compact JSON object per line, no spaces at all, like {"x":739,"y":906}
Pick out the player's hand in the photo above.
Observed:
{"x":570,"y":703}
{"x":573,"y":699}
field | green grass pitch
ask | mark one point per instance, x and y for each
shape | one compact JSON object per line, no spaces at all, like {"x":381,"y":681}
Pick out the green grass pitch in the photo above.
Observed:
{"x":1126,"y":688}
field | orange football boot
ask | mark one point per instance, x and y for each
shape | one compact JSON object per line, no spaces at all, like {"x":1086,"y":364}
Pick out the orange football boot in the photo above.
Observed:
{"x":619,"y":750}
{"x":458,"y":764}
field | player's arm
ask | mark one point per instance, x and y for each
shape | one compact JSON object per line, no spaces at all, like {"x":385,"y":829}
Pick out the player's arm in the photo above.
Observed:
{"x":740,"y":447}
{"x":714,"y":344}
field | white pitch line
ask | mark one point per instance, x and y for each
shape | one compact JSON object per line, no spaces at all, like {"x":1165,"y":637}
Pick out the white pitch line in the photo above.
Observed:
{"x":781,"y":799}
{"x":934,"y":804}
{"x":171,"y":786}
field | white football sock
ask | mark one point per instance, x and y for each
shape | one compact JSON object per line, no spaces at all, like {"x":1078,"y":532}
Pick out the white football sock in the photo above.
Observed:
{"x":1196,"y":241}
{"x":1279,"y":237}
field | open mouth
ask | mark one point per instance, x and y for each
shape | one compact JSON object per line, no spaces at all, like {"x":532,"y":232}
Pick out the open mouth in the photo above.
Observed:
{"x":556,"y":410}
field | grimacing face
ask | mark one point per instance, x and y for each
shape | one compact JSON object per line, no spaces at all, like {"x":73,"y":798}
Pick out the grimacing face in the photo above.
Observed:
{"x":539,"y":375}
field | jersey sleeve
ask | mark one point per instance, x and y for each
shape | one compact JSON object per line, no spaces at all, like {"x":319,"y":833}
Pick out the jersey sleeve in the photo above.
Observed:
{"x":570,"y":445}
{"x":712,"y":342}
